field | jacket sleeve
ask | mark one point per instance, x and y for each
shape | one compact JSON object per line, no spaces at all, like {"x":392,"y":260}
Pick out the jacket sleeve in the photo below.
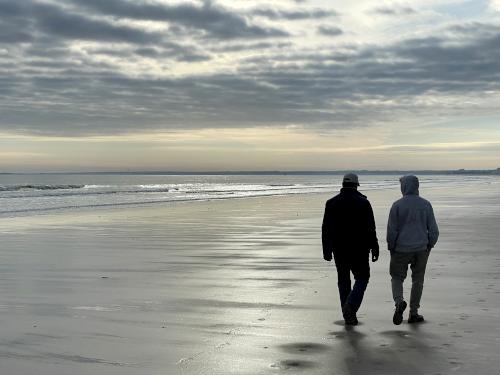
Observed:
{"x":372,"y":229}
{"x":326,"y":233}
{"x":432,"y":228}
{"x":392,"y":228}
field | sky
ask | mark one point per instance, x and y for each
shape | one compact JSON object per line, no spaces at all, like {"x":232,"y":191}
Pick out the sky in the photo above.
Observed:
{"x":96,"y":85}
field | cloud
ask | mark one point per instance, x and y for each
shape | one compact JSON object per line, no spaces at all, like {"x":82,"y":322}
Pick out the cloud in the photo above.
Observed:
{"x":494,"y":5}
{"x":48,"y":30}
{"x":48,"y":19}
{"x":12,"y":17}
{"x":431,"y":147}
{"x":213,"y":20}
{"x":55,"y":21}
{"x":261,"y":46}
{"x":329,"y":30}
{"x":293,"y":15}
{"x":177,"y":52}
{"x":394,"y":10}
{"x":127,"y":76}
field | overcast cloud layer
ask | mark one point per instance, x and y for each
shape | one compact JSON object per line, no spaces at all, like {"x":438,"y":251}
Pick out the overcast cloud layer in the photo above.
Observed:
{"x":106,"y":67}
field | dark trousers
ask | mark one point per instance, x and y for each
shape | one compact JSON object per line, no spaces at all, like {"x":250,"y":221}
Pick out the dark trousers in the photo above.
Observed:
{"x":399,"y":270}
{"x":360,"y":267}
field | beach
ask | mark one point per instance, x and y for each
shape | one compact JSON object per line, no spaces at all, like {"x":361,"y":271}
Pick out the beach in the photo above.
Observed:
{"x":239,"y":286}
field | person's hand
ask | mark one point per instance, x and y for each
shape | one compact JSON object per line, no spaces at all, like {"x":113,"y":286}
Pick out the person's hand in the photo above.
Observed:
{"x":375,"y":254}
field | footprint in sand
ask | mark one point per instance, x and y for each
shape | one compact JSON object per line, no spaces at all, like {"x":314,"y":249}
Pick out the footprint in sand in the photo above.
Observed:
{"x":292,"y":363}
{"x":456,"y":363}
{"x":183,"y":361}
{"x":222,"y":345}
{"x":303,"y":347}
{"x":341,"y":335}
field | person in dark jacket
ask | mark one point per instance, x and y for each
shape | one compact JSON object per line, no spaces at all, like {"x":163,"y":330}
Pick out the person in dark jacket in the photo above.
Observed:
{"x":348,"y":233}
{"x":411,"y":234}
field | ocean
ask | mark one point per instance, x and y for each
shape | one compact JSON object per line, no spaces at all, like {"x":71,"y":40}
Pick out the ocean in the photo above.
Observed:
{"x":35,"y":194}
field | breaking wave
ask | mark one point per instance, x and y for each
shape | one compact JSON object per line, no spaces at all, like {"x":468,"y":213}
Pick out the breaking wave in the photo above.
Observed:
{"x":39,"y":187}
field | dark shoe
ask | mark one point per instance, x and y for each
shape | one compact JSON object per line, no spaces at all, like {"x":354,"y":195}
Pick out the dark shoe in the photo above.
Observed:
{"x":349,"y":315}
{"x":397,"y":319}
{"x":353,"y":321}
{"x":415,"y":318}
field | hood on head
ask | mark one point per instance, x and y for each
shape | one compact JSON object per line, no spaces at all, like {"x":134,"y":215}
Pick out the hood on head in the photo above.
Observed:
{"x":409,"y":185}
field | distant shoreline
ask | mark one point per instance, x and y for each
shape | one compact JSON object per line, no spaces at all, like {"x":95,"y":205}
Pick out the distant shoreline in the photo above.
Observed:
{"x":475,"y":172}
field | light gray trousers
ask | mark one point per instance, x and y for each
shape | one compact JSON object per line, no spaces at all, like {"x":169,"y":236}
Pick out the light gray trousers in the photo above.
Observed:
{"x":399,"y":269}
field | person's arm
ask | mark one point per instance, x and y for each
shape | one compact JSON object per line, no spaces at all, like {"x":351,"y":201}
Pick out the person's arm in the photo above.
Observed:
{"x":392,"y":228}
{"x":372,"y":233}
{"x":326,"y":235}
{"x":432,"y":228}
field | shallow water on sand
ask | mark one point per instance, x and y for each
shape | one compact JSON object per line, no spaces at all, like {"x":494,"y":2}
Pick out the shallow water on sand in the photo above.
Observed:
{"x":238,"y":287}
{"x":35,"y":194}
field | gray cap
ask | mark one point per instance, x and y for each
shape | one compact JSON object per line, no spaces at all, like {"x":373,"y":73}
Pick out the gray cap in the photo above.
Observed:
{"x":351,"y":178}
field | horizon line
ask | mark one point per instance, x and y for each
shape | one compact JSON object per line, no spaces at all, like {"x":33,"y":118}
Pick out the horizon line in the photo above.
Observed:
{"x":270,"y":172}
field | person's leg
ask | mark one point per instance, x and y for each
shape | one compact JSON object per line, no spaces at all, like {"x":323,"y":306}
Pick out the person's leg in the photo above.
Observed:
{"x":361,"y":271}
{"x":343,"y":279}
{"x":418,"y":266}
{"x":398,"y":270}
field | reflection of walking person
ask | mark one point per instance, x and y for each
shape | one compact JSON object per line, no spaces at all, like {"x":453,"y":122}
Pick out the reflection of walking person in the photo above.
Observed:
{"x":348,"y":232}
{"x":411,"y":234}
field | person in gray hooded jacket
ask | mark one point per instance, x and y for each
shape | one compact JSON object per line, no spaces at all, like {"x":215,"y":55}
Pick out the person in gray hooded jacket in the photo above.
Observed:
{"x":412,"y":232}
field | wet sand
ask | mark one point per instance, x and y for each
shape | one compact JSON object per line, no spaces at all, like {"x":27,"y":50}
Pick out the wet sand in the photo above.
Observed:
{"x":239,"y":287}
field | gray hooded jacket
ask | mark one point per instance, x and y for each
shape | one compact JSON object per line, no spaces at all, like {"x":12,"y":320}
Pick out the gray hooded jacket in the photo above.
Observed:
{"x":411,"y":226}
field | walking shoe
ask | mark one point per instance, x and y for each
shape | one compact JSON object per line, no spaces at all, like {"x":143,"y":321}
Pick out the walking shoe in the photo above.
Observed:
{"x":397,"y":319}
{"x":415,"y":318}
{"x":350,"y":318}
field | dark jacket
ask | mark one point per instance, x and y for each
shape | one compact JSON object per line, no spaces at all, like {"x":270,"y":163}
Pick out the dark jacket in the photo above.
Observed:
{"x":348,"y":224}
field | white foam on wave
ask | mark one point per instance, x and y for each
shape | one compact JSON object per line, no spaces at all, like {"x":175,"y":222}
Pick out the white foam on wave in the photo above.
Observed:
{"x":96,"y":308}
{"x":28,"y":187}
{"x":30,"y":198}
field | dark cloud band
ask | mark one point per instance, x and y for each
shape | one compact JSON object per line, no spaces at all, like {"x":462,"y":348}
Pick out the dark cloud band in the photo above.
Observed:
{"x":46,"y":86}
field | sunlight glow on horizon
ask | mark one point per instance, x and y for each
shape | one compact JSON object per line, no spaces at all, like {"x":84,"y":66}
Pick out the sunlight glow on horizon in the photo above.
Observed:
{"x":202,"y":85}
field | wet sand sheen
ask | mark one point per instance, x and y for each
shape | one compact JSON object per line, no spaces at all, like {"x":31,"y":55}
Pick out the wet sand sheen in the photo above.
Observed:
{"x":239,"y":287}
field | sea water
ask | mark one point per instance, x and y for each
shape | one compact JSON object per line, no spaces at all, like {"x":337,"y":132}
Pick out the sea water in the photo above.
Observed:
{"x":33,"y":194}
